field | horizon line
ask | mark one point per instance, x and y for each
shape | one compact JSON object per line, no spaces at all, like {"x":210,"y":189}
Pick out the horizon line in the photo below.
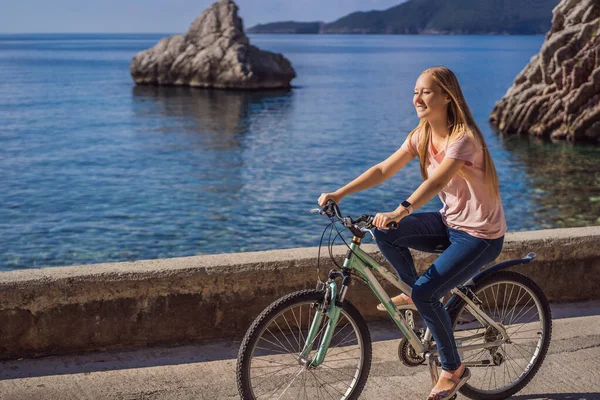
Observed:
{"x":256,"y":33}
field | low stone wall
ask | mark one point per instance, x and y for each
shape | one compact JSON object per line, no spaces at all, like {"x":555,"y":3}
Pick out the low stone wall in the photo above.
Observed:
{"x":135,"y":304}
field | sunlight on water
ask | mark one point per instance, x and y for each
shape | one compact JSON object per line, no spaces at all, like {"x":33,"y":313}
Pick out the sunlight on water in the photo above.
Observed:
{"x":96,"y":169}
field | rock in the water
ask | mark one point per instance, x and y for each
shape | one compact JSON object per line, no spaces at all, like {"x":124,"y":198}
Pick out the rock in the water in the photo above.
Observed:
{"x":558,"y":94}
{"x":214,"y":53}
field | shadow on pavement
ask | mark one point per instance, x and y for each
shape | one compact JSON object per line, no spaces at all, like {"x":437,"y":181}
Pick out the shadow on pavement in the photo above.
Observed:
{"x":119,"y":360}
{"x":559,"y":396}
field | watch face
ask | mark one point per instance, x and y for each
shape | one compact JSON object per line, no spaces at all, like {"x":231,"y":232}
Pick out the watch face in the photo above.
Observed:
{"x":405,"y":204}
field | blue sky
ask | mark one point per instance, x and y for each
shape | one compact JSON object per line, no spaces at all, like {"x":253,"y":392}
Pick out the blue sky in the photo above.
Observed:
{"x":162,"y":16}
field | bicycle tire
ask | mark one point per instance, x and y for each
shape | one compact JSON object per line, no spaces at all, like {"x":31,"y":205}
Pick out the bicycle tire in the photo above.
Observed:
{"x":274,"y":311}
{"x":481,"y":290}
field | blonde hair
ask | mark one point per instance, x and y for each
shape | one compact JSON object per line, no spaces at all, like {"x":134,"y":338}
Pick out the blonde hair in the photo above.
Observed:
{"x":460,"y":122}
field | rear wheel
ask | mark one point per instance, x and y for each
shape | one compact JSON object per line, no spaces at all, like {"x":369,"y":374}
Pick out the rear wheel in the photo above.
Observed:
{"x":269,"y":366}
{"x":518,"y":304}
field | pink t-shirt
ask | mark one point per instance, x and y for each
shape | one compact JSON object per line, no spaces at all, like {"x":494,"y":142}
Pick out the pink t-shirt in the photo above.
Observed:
{"x":467,"y":204}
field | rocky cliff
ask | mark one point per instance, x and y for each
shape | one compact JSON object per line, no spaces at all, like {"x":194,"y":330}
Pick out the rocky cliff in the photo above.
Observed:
{"x":214,"y":52}
{"x":558,"y":94}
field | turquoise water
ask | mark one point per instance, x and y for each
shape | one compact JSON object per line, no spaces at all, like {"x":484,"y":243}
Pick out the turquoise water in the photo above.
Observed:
{"x":95,"y":169}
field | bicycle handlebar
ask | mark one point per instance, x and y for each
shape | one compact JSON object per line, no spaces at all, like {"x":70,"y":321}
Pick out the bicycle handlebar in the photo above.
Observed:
{"x":365,"y":221}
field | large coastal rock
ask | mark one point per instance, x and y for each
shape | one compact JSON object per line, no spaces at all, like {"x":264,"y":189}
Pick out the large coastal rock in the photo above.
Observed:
{"x":558,"y":94}
{"x":214,"y":52}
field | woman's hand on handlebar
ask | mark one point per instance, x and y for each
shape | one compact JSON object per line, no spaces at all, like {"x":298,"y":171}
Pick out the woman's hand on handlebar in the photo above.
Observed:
{"x":329,"y":196}
{"x":382,"y":220}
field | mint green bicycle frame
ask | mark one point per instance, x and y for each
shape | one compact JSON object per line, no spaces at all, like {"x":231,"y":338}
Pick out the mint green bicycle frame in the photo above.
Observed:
{"x":360,"y":262}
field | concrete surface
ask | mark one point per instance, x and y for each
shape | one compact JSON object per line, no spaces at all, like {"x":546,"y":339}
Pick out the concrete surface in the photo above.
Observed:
{"x":185,"y":300}
{"x":570,"y":372}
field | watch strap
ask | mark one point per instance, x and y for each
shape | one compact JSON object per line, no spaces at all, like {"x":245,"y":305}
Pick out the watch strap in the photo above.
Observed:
{"x":407,"y":206}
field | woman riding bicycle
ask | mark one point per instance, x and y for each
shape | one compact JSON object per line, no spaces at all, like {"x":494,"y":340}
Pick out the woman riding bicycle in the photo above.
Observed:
{"x":456,"y":165}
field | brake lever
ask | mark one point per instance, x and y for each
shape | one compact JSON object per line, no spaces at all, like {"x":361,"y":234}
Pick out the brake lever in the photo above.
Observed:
{"x":368,"y":230}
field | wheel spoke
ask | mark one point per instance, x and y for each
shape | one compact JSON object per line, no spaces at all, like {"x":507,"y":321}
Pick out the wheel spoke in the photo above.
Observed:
{"x":496,"y":299}
{"x":475,"y":355}
{"x":512,"y":312}
{"x":525,"y":350}
{"x":290,"y":384}
{"x":284,"y":335}
{"x":342,"y":352}
{"x":521,"y":313}
{"x":285,"y":351}
{"x":273,"y":373}
{"x":341,"y":329}
{"x":292,"y":332}
{"x":505,"y":303}
{"x":330,"y":385}
{"x":524,"y":323}
{"x":272,"y":350}
{"x":281,"y":345}
{"x":338,"y":369}
{"x":271,"y":362}
{"x":270,"y":391}
{"x":321,"y":385}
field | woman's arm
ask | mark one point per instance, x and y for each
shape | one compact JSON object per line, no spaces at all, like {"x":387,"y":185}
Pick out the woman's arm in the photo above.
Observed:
{"x":377,"y":174}
{"x":432,"y":186}
{"x":425,"y":192}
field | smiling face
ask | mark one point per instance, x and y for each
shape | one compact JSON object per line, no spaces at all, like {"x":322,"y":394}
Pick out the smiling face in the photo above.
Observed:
{"x":429,"y":99}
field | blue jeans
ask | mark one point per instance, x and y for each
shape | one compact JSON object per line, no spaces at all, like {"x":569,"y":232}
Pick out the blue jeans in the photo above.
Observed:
{"x":462,"y":258}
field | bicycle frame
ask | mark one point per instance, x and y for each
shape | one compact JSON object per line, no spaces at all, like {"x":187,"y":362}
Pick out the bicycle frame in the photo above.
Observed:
{"x":360,"y":262}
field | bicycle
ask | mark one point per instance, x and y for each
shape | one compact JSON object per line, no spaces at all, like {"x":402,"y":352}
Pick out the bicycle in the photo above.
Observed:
{"x":315,"y":343}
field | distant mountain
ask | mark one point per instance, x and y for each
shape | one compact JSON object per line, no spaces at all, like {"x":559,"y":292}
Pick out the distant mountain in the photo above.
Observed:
{"x":287,"y":27}
{"x":514,"y":17}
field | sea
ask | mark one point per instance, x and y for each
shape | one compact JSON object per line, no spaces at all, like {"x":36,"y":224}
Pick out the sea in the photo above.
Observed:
{"x":96,"y":169}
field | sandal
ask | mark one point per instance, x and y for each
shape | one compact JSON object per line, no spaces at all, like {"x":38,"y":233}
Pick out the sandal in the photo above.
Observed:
{"x":404,"y":301}
{"x":459,"y":381}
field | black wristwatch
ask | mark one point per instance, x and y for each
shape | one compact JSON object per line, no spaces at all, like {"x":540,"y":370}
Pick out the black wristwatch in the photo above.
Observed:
{"x":408,"y":206}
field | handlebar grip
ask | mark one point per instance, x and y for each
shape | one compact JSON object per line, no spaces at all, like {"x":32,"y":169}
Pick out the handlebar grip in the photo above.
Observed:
{"x":331,"y":209}
{"x":392,"y":225}
{"x":369,"y":220}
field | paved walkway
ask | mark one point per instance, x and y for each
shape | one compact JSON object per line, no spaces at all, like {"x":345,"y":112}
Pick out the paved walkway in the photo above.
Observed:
{"x":570,"y":372}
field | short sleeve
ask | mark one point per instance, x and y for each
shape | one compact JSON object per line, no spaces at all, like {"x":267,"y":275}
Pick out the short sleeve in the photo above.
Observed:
{"x":462,"y":148}
{"x":411,"y":144}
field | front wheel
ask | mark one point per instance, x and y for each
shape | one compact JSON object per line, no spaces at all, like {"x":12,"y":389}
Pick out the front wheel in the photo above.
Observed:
{"x":518,"y":304}
{"x":269,"y":364}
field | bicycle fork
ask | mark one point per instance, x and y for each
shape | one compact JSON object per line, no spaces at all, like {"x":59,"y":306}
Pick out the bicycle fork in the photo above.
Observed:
{"x":331,"y":311}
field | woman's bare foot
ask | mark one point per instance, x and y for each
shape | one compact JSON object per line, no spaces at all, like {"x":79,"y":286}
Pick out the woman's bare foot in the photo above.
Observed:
{"x":400,"y":300}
